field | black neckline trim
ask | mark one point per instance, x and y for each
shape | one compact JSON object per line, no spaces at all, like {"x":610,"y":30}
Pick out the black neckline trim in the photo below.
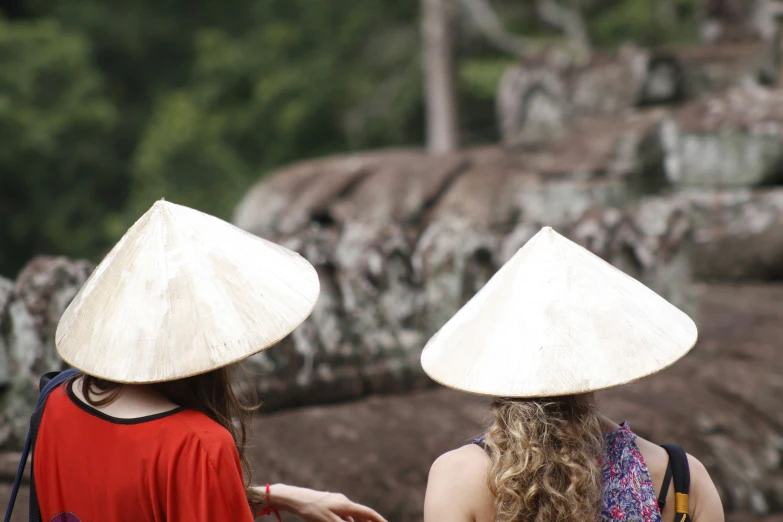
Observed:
{"x":116,"y":420}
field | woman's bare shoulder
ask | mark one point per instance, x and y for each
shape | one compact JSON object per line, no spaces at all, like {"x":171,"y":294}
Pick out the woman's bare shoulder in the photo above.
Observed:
{"x":457,"y":487}
{"x":465,"y":459}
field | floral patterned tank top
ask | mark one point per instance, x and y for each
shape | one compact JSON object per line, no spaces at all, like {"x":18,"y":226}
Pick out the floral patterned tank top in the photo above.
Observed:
{"x":629,"y":494}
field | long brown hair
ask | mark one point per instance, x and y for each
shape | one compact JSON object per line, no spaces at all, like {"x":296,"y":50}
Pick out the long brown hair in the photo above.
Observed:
{"x":545,"y":459}
{"x":214,"y":394}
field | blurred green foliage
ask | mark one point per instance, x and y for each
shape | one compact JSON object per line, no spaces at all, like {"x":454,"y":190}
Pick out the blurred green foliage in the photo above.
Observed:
{"x":107,"y":106}
{"x":56,"y":158}
{"x":304,"y":84}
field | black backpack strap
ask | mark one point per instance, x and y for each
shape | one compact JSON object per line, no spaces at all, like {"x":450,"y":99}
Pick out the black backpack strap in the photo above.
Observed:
{"x":46,"y":379}
{"x":681,"y":473}
{"x":667,"y":479}
{"x":35,"y":423}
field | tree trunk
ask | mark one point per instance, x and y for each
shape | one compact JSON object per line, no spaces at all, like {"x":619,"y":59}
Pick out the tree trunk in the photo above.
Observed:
{"x":441,"y":98}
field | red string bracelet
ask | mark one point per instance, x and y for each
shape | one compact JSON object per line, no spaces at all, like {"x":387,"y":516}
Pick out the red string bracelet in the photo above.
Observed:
{"x":269,"y":510}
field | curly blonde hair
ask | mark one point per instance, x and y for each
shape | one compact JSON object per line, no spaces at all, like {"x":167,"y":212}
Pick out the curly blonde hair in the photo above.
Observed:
{"x":545,"y":459}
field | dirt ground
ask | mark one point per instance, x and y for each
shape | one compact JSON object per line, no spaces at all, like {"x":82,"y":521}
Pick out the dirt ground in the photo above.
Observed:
{"x":378,"y":450}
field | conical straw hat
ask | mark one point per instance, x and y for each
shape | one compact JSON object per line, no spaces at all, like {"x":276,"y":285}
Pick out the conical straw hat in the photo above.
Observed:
{"x":181,"y":294}
{"x":557,"y":320}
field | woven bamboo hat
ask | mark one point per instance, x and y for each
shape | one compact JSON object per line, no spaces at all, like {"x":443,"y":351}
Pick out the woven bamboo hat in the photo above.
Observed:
{"x":183,"y":293}
{"x":557,"y":320}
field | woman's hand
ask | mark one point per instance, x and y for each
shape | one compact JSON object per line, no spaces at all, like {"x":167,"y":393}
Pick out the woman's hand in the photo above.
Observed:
{"x":319,"y":506}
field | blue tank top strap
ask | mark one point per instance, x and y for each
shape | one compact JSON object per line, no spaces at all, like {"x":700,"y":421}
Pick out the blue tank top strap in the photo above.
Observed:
{"x":480,"y":442}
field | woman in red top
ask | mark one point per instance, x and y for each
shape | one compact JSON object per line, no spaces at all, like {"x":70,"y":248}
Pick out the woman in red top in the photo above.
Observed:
{"x":154,"y":428}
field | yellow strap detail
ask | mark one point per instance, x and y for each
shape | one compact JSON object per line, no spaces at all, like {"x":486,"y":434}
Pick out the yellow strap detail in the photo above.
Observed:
{"x":681,"y":503}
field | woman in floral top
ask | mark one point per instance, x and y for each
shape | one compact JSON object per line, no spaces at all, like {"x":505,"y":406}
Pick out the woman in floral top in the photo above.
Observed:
{"x":553,"y":326}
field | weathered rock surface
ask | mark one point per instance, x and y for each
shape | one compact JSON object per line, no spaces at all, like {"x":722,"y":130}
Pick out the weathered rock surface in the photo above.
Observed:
{"x":650,"y":241}
{"x":29,"y":311}
{"x":719,"y":235}
{"x":401,"y":240}
{"x":6,"y":292}
{"x":734,"y":139}
{"x":540,"y":100}
{"x":737,"y":234}
{"x":737,"y":20}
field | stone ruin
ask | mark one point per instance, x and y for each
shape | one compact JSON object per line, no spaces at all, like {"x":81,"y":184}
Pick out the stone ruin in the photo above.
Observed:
{"x":401,"y":239}
{"x":30,"y":308}
{"x":667,"y":163}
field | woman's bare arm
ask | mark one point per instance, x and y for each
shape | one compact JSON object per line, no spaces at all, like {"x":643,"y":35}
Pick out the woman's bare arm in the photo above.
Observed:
{"x":319,"y":506}
{"x":706,"y":505}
